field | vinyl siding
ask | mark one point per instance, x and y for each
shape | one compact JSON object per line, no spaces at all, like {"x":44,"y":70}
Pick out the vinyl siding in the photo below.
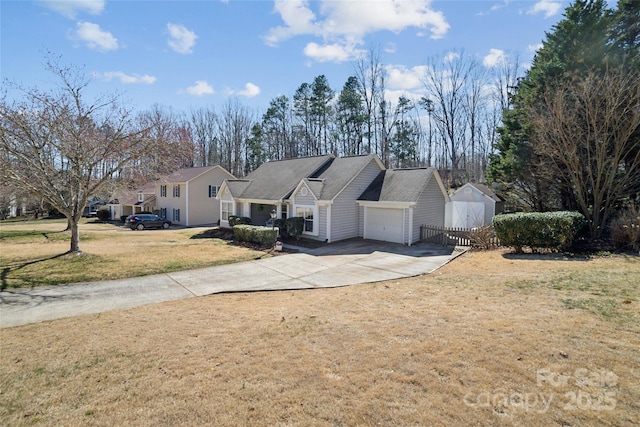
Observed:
{"x":345,"y":215}
{"x":307,"y":200}
{"x":407,"y":226}
{"x":322,"y":223}
{"x":429,"y":209}
{"x":196,"y":207}
{"x":170,"y":203}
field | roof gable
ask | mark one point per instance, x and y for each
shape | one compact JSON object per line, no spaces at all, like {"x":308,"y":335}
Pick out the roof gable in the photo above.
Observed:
{"x":481,"y":188}
{"x":313,"y":185}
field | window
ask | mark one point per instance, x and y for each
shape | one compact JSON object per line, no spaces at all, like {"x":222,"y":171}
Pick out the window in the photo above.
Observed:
{"x":163,"y":191}
{"x":163,"y":212}
{"x":284,"y":210}
{"x":213,"y":190}
{"x":227,"y":210}
{"x":307,"y":214}
{"x":176,"y":191}
{"x":176,"y":215}
{"x":140,"y":197}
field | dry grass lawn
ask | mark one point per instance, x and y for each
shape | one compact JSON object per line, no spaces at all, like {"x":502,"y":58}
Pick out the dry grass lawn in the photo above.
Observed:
{"x":33,"y":252}
{"x":489,"y":340}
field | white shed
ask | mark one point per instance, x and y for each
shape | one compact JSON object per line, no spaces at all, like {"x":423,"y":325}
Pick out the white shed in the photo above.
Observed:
{"x":472,"y":205}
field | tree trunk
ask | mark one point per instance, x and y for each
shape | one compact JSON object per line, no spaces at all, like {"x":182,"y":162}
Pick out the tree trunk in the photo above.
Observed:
{"x":75,"y":235}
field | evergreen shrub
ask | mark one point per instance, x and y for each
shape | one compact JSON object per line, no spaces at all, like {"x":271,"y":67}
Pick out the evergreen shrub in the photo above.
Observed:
{"x":548,"y":230}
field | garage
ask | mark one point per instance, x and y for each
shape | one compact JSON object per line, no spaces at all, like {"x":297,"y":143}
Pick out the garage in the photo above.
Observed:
{"x":384,"y":224}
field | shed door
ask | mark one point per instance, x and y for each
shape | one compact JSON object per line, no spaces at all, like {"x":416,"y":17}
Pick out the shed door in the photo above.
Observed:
{"x":467,"y":214}
{"x":384,"y":224}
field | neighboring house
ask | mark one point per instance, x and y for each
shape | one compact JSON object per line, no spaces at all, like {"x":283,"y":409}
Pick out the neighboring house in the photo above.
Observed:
{"x":12,"y":205}
{"x":129,"y":202}
{"x":328,"y":193}
{"x":473,"y":205}
{"x":189,"y":196}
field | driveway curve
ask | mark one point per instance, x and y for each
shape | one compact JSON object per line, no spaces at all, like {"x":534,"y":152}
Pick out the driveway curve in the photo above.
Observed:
{"x":334,"y":265}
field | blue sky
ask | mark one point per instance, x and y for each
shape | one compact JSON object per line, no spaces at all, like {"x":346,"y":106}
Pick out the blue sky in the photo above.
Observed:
{"x":188,"y":54}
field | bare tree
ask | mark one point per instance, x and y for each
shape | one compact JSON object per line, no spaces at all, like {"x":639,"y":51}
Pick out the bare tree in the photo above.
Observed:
{"x":447,"y":83}
{"x":56,"y":145}
{"x":369,"y":72}
{"x":202,"y":124}
{"x":587,"y":137}
{"x":475,"y":102}
{"x":233,"y":128}
{"x":173,"y":146}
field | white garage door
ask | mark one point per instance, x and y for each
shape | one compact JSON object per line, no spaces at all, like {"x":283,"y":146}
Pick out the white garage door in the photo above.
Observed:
{"x":384,"y":224}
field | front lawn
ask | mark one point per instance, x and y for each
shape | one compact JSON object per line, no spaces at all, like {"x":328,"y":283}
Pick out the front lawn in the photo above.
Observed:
{"x":491,"y":339}
{"x":33,"y":253}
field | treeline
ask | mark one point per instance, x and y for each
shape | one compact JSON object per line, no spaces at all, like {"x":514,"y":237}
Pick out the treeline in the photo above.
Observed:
{"x":448,"y":120}
{"x":571,"y":139}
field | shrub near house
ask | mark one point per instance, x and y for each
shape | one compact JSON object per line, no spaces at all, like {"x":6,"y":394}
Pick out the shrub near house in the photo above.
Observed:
{"x":549,"y":230}
{"x":263,"y":236}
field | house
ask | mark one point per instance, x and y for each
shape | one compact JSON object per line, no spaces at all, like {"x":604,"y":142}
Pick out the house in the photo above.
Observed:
{"x":339,"y":198}
{"x":473,"y":205}
{"x":399,"y":201}
{"x":267,"y":188}
{"x":189,"y":196}
{"x":129,"y":202}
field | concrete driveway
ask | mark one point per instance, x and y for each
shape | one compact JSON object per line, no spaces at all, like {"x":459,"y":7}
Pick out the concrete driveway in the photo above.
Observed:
{"x":339,"y":264}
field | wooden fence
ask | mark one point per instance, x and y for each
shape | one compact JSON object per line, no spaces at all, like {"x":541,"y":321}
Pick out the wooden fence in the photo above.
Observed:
{"x":481,"y":237}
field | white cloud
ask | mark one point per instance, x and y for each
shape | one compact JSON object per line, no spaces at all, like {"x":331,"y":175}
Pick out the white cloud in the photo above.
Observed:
{"x":450,"y":56}
{"x":298,"y":19}
{"x":200,"y":88}
{"x":403,"y":78}
{"x":494,"y":8}
{"x":127,"y":78}
{"x":535,"y":47}
{"x":342,"y":25}
{"x":548,"y":7}
{"x":95,"y":37}
{"x":329,"y":52}
{"x":351,"y":18}
{"x":181,"y":39}
{"x":70,"y":8}
{"x":390,"y":48}
{"x":250,"y":90}
{"x":495,"y":57}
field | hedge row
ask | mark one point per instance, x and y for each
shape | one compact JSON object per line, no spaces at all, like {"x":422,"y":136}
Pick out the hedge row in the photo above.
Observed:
{"x":549,"y":230}
{"x":264,"y":236}
{"x":238,"y":220}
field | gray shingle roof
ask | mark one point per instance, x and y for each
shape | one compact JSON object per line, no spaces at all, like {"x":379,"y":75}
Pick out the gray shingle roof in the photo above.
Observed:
{"x":237,"y":186}
{"x":337,"y":175}
{"x":277,"y":179}
{"x":126,"y":197}
{"x":186,"y":174}
{"x":398,"y":185}
{"x":487,"y":191}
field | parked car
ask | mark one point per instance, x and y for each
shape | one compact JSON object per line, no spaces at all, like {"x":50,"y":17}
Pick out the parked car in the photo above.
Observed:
{"x":142,"y":221}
